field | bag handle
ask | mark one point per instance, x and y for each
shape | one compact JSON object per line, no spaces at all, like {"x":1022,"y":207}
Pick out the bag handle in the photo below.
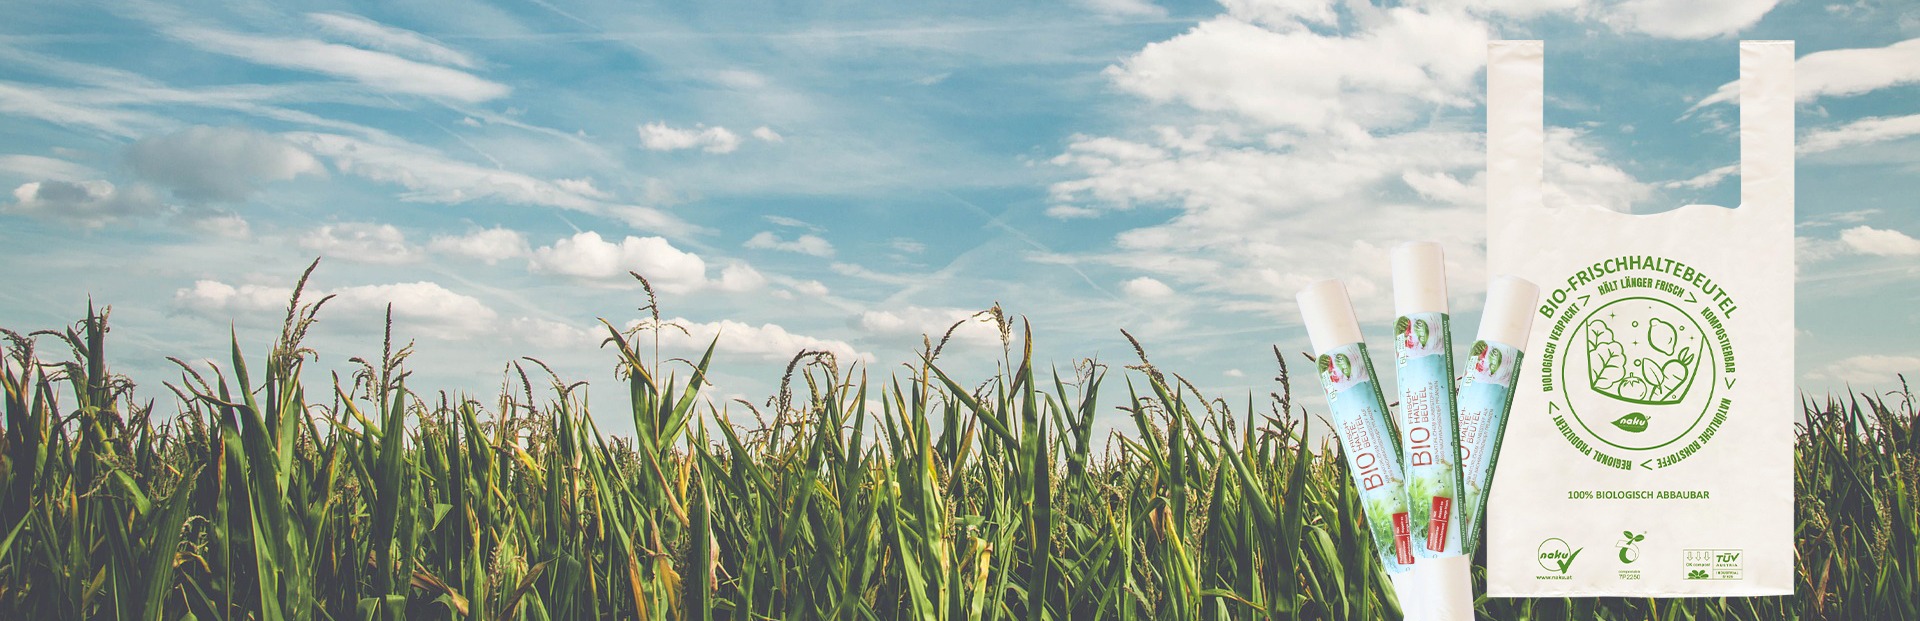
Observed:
{"x":1516,"y":128}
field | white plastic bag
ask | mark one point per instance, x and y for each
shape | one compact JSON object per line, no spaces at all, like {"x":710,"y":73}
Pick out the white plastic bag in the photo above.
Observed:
{"x":1650,"y":450}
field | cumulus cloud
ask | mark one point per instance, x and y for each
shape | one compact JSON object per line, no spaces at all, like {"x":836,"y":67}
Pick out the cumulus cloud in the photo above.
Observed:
{"x":372,"y":34}
{"x":360,"y":242}
{"x":487,"y":245}
{"x":766,"y":134}
{"x":418,"y":307}
{"x":378,"y":70}
{"x":90,"y":204}
{"x":1880,"y":242}
{"x":1688,"y":19}
{"x":661,"y":137}
{"x":1145,"y":287}
{"x":589,"y":257}
{"x":805,"y":244}
{"x":1392,"y":70}
{"x":203,"y":163}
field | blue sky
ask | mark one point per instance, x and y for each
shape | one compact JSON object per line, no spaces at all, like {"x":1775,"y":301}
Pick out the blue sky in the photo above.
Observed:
{"x":848,"y":177}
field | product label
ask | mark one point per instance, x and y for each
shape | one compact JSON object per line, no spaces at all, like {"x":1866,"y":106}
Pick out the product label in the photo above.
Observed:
{"x":1486,"y":396}
{"x":1424,"y":353}
{"x":1638,"y":363}
{"x":1373,"y":457}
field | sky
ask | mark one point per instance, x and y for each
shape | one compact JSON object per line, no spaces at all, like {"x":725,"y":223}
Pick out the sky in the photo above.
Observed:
{"x":850,"y":176}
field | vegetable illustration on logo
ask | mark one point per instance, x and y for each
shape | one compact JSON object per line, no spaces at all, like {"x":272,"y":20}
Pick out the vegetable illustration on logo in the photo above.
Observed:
{"x":1629,"y":547}
{"x":1485,"y":359}
{"x":1557,"y":556}
{"x":1335,"y":368}
{"x":1655,"y":364}
{"x":1413,"y":332}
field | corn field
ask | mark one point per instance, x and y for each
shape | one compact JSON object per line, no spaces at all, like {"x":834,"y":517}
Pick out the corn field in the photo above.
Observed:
{"x":262,"y":493}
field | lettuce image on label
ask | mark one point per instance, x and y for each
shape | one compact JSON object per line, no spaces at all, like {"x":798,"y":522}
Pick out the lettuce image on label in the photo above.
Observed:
{"x":1486,"y":393}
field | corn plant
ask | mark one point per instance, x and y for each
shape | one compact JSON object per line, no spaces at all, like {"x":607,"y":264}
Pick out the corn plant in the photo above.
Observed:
{"x":924,"y":495}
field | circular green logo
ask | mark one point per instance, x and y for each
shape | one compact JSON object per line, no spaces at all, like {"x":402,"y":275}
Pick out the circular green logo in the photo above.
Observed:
{"x":1637,"y":361}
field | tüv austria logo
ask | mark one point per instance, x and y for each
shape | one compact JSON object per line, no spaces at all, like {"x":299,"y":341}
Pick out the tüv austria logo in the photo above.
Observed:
{"x":1556,"y":557}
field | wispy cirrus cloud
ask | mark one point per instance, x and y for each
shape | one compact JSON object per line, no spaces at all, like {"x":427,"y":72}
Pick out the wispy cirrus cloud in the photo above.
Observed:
{"x":378,"y":70}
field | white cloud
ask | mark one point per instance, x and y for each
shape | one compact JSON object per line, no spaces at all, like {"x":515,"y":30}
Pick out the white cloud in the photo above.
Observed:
{"x":360,"y":242}
{"x":47,"y":168}
{"x":812,"y":288}
{"x":1236,"y":373}
{"x":1842,"y":73}
{"x":423,"y":307}
{"x":1125,"y":8}
{"x":486,"y":245}
{"x":1578,"y":174}
{"x":1880,"y":242}
{"x":1394,"y":69}
{"x":812,"y":245}
{"x":1283,"y":14}
{"x":91,"y":203}
{"x":916,"y":321}
{"x":739,"y":276}
{"x":766,"y":134}
{"x":203,"y":163}
{"x":906,"y":246}
{"x":69,"y":108}
{"x":1688,"y":19}
{"x":589,"y":257}
{"x":218,"y":224}
{"x":582,"y":186}
{"x":661,"y":137}
{"x":1867,"y":370}
{"x":769,"y":342}
{"x":378,"y":70}
{"x":554,"y":335}
{"x":738,"y":79}
{"x":1146,"y":287}
{"x":1861,"y":131}
{"x":1704,"y":180}
{"x":382,"y":37}
{"x":430,"y":176}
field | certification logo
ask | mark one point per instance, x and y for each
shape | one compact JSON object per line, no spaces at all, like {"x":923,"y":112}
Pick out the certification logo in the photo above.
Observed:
{"x":1712,"y":564}
{"x":1556,"y":557}
{"x":1638,"y":361}
{"x":1629,"y":552}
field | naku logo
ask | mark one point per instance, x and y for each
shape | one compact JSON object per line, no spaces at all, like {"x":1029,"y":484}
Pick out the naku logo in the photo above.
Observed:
{"x":1556,"y":556}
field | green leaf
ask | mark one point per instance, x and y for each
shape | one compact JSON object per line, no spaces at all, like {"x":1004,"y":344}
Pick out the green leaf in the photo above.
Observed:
{"x":1633,"y":423}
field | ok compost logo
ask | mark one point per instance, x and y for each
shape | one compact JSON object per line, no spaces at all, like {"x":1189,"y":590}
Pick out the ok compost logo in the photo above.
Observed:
{"x":1638,"y":362}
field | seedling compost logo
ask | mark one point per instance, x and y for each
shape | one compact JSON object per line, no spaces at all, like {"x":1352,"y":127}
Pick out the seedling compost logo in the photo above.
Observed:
{"x":1638,"y":361}
{"x":1556,"y":556}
